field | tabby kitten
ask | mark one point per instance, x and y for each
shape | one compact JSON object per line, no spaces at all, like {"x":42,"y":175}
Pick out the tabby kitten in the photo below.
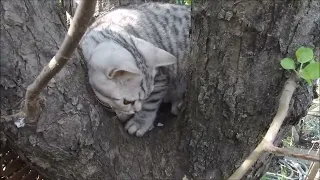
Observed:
{"x":136,"y":58}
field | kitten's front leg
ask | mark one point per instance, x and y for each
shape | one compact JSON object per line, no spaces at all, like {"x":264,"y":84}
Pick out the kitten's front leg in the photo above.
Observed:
{"x":122,"y":116}
{"x":143,"y":120}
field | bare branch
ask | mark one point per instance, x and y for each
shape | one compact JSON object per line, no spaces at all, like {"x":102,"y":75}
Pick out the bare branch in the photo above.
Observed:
{"x":314,"y":168}
{"x":77,"y":28}
{"x":283,"y":107}
{"x":9,"y":118}
{"x":286,"y":152}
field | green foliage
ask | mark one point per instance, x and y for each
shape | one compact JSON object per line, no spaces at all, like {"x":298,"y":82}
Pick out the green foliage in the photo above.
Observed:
{"x":184,"y":2}
{"x":304,"y":56}
{"x":305,"y":76}
{"x":283,"y":173}
{"x":287,"y":141}
{"x":187,"y":2}
{"x":288,"y":63}
{"x":312,"y":70}
{"x":264,"y":177}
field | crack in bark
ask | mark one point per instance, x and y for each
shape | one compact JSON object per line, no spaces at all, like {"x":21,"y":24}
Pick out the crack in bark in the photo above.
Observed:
{"x":28,"y":9}
{"x":36,"y":46}
{"x":7,"y":32}
{"x":207,"y":50}
{"x":292,"y":37}
{"x":53,"y":40}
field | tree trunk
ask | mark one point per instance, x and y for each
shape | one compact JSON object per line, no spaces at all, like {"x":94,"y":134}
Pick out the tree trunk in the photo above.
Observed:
{"x":235,"y":80}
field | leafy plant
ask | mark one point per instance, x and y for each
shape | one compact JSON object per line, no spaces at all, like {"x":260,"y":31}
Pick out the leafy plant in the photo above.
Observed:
{"x":184,"y":2}
{"x":264,"y":177}
{"x":287,"y":141}
{"x":283,"y":173}
{"x":308,"y":69}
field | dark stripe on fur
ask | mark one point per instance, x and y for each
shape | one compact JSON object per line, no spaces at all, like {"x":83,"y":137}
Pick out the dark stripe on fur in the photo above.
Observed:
{"x":152,"y":101}
{"x":151,"y":109}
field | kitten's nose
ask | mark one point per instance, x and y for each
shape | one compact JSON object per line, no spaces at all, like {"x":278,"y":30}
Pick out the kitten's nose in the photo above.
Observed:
{"x":137,"y":106}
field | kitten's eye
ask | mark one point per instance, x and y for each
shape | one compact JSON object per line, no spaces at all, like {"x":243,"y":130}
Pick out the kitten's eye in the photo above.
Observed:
{"x":126,"y":102}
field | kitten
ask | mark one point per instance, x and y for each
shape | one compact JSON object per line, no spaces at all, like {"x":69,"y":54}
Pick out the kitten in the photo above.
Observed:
{"x":136,"y":59}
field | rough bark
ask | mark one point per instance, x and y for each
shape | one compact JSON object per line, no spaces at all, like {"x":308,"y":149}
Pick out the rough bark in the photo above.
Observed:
{"x":234,"y":84}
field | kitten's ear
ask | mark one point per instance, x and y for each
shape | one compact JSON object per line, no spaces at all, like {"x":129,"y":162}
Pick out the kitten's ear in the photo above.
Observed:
{"x":154,"y":56}
{"x":122,"y":72}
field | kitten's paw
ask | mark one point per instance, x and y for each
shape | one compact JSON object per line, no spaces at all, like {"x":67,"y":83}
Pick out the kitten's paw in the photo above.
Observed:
{"x":138,"y":126}
{"x":124,"y":117}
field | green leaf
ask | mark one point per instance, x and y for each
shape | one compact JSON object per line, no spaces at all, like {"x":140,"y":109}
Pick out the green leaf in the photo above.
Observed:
{"x":288,"y":63}
{"x":306,"y":77}
{"x":187,"y":2}
{"x":312,"y":70}
{"x":313,"y":60}
{"x":304,"y":54}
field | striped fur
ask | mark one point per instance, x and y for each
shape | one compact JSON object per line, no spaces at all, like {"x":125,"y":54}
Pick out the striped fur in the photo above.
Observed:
{"x":136,"y":59}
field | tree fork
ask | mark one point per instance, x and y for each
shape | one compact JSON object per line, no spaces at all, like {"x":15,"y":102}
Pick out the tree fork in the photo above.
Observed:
{"x":266,"y":144}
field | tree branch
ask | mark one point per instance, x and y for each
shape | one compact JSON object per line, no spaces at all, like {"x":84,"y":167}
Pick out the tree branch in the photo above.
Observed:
{"x":283,"y":107}
{"x":9,"y":118}
{"x":314,"y":169}
{"x":77,"y":28}
{"x":286,"y":152}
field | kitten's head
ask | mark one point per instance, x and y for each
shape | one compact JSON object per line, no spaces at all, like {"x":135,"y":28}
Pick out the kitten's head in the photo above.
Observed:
{"x":116,"y":78}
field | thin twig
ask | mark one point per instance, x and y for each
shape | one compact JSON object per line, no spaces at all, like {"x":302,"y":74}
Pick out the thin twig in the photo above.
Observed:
{"x":77,"y":28}
{"x":314,"y":169}
{"x":9,"y":118}
{"x":287,"y":152}
{"x":283,"y":107}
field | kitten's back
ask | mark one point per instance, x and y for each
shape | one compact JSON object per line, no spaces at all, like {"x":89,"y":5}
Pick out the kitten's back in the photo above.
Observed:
{"x":164,"y":25}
